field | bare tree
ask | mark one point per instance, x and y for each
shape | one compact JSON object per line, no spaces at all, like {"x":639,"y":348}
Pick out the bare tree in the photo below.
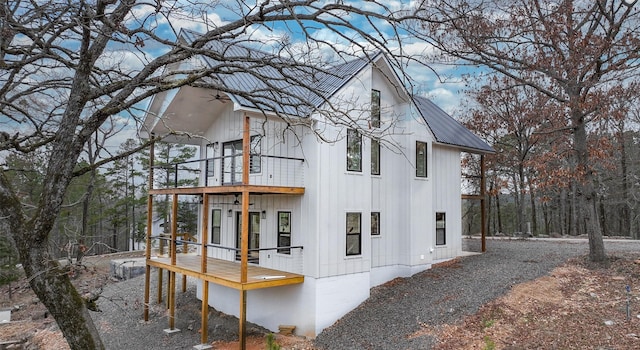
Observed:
{"x":66,"y":67}
{"x":570,"y":51}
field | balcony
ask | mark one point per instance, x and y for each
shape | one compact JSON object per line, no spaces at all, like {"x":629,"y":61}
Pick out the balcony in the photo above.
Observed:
{"x":183,"y":255}
{"x":224,"y":174}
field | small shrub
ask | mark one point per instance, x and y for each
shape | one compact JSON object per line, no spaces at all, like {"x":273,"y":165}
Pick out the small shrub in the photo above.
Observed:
{"x":488,"y":343}
{"x":271,"y":342}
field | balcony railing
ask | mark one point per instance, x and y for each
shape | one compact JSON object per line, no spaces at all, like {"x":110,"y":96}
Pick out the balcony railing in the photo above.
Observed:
{"x":163,"y":246}
{"x":264,"y":170}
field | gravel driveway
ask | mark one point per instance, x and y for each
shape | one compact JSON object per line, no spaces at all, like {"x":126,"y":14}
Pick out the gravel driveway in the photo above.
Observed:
{"x":385,"y":321}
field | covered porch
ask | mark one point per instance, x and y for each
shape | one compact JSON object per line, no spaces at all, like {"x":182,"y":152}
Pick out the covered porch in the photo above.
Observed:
{"x":239,"y":274}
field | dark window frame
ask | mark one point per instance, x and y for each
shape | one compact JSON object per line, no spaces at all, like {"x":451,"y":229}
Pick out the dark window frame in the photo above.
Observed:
{"x":375,"y":223}
{"x":375,"y":108}
{"x":441,"y":228}
{"x":354,"y":233}
{"x":354,"y":151}
{"x":214,"y":226}
{"x":284,"y":232}
{"x":422,"y":164}
{"x":375,"y":157}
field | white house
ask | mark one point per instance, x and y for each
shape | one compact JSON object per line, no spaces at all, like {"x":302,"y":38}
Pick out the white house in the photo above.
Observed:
{"x":329,"y":219}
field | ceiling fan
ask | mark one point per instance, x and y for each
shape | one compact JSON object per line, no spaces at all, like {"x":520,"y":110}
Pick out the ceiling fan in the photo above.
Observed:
{"x":235,"y":202}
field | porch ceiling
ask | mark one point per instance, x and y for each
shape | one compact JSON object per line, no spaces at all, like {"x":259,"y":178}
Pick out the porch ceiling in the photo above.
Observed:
{"x":190,"y":110}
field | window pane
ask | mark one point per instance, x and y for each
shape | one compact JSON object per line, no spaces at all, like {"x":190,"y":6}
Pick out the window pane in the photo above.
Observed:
{"x":421,"y":159}
{"x":441,"y":229}
{"x":255,"y":159}
{"x":216,"y":220}
{"x":353,"y":245}
{"x":375,"y":157}
{"x":375,"y":108}
{"x":284,"y":232}
{"x":210,"y":164}
{"x":353,"y":233}
{"x":354,"y":151}
{"x":375,"y":223}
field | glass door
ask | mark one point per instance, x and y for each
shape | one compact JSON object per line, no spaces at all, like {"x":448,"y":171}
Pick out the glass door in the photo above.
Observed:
{"x":232,"y":162}
{"x":254,"y":236}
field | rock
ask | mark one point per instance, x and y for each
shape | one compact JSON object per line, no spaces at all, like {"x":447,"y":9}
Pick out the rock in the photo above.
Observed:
{"x":609,"y":323}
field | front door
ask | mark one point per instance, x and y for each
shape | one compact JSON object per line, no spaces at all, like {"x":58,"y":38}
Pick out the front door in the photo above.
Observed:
{"x":254,"y":236}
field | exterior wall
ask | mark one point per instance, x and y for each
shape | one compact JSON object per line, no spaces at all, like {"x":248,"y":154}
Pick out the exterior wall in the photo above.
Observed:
{"x":311,"y":307}
{"x":447,"y":173}
{"x":276,"y":139}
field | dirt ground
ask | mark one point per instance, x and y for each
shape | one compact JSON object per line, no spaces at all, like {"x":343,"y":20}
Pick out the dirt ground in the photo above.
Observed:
{"x":577,"y":306}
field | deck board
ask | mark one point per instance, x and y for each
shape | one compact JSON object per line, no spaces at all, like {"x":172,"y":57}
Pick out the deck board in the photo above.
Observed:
{"x":227,"y":273}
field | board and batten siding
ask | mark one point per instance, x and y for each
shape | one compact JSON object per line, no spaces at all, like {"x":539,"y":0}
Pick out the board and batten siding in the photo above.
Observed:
{"x":276,"y":139}
{"x":447,"y":168}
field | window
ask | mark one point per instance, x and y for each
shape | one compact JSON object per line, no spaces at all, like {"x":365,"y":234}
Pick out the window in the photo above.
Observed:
{"x":375,"y":223}
{"x":354,"y":232}
{"x":375,"y":157}
{"x":354,"y":150}
{"x":216,"y":223}
{"x":284,"y":232}
{"x":441,"y":230}
{"x":375,"y":108}
{"x":210,"y":150}
{"x":232,"y":160}
{"x":421,"y":159}
{"x":254,"y":151}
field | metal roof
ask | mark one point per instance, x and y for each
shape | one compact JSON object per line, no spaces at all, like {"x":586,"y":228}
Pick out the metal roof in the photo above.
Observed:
{"x":272,"y":83}
{"x":447,"y":130}
{"x":256,"y":79}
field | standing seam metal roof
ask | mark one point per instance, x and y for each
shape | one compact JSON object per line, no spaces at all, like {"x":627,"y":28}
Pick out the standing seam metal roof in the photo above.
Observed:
{"x":283,"y":86}
{"x":447,"y":130}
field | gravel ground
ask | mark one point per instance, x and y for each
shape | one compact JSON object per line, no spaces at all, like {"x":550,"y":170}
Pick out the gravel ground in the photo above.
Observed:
{"x":446,"y":294}
{"x":385,"y":321}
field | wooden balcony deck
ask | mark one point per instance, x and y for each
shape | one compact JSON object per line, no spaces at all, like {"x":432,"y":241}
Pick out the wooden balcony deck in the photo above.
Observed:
{"x":226,"y":273}
{"x":254,"y":189}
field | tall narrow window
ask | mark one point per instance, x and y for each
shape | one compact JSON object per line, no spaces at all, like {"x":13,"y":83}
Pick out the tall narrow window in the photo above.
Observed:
{"x":421,"y":159}
{"x":375,"y":157}
{"x":354,"y":233}
{"x":216,"y":223}
{"x":284,"y":232}
{"x":375,"y":223}
{"x":210,"y":150}
{"x":375,"y":108}
{"x":255,"y":160}
{"x":354,"y":150}
{"x":441,"y":229}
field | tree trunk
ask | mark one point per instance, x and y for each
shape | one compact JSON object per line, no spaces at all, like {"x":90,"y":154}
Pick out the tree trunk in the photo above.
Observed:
{"x":47,"y":278}
{"x":586,"y":190}
{"x":498,"y":213}
{"x":53,"y":287}
{"x":534,"y":214}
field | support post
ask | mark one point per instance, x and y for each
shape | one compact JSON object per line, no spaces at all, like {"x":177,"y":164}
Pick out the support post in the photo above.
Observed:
{"x":171,"y":295}
{"x":160,"y":274}
{"x":244,"y":241}
{"x":483,"y":214}
{"x":147,"y":253}
{"x":204,"y":317}
{"x":243,"y":320}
